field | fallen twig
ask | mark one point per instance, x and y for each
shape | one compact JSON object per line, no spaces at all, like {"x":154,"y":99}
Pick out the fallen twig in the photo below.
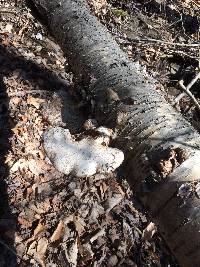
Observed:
{"x":8,"y":12}
{"x":187,"y":91}
{"x":195,"y":3}
{"x":194,"y":80}
{"x":143,"y":40}
{"x":193,"y":99}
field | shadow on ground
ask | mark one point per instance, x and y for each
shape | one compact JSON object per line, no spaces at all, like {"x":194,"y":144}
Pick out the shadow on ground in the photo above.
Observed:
{"x":36,"y":78}
{"x":8,"y":221}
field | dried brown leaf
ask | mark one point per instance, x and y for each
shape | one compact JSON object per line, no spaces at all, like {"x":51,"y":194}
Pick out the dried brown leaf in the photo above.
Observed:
{"x":8,"y":28}
{"x":39,"y":229}
{"x":41,"y":249}
{"x":18,"y":165}
{"x":38,"y":167}
{"x":68,"y":219}
{"x":37,"y":250}
{"x":25,"y":223}
{"x":149,"y":231}
{"x":79,"y":224}
{"x":98,"y":5}
{"x":103,"y":187}
{"x":58,"y":233}
{"x":113,"y":201}
{"x":86,"y":252}
{"x":32,"y":248}
{"x":36,"y":102}
{"x":72,"y":253}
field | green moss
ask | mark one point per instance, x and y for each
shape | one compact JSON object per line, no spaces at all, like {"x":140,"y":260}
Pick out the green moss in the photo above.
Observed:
{"x":119,"y":12}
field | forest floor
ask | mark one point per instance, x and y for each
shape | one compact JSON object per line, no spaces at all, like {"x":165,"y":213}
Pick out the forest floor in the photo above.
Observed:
{"x":46,"y":217}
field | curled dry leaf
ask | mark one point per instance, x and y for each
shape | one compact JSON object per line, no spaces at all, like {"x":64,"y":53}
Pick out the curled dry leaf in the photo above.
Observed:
{"x":149,"y":231}
{"x":38,"y":167}
{"x":8,"y":28}
{"x":98,"y":5}
{"x":57,"y":234}
{"x":60,"y":230}
{"x":36,"y":102}
{"x":71,"y":252}
{"x":103,"y":187}
{"x":79,"y":224}
{"x":113,"y":201}
{"x":197,"y":189}
{"x":39,"y":229}
{"x":18,"y":165}
{"x":41,"y":249}
{"x":37,"y":250}
{"x":32,"y":248}
{"x":86,"y":252}
{"x":68,"y":219}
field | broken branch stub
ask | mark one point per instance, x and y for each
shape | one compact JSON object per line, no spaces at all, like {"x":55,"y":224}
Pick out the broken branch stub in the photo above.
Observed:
{"x":82,"y":158}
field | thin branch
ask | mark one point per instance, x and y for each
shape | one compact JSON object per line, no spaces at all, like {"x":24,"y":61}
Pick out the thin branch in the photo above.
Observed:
{"x":178,"y":98}
{"x":187,"y":91}
{"x":194,"y":80}
{"x":8,"y":12}
{"x":143,"y":40}
{"x":181,"y":53}
{"x":192,"y":97}
{"x":195,"y":4}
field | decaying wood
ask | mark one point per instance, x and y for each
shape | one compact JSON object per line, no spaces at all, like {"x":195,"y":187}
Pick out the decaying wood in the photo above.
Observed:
{"x":161,"y":148}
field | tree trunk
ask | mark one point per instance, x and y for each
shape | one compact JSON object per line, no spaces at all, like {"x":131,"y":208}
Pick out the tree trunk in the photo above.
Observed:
{"x":161,"y":148}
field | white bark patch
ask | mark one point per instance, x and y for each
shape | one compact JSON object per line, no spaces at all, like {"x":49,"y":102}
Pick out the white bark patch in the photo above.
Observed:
{"x":198,"y":190}
{"x":82,"y":158}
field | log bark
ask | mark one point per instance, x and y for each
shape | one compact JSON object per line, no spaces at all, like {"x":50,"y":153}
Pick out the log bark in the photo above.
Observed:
{"x":162,"y":150}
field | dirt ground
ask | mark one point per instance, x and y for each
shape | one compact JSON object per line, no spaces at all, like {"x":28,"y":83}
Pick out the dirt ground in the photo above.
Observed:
{"x":50,"y":219}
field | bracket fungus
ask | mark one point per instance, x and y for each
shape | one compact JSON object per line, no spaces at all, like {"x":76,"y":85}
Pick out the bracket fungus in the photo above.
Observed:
{"x":84,"y":157}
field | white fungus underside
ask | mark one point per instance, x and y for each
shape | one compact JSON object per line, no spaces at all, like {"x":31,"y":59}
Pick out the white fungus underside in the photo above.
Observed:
{"x":82,"y":158}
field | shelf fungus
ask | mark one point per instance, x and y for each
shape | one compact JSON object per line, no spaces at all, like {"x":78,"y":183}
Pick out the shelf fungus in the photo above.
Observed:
{"x":83,"y":157}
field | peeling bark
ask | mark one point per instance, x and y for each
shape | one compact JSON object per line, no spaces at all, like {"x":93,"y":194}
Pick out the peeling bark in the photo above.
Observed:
{"x":162,"y":150}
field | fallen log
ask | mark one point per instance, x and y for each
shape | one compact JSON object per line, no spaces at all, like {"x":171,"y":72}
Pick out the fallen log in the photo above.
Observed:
{"x":162,"y":150}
